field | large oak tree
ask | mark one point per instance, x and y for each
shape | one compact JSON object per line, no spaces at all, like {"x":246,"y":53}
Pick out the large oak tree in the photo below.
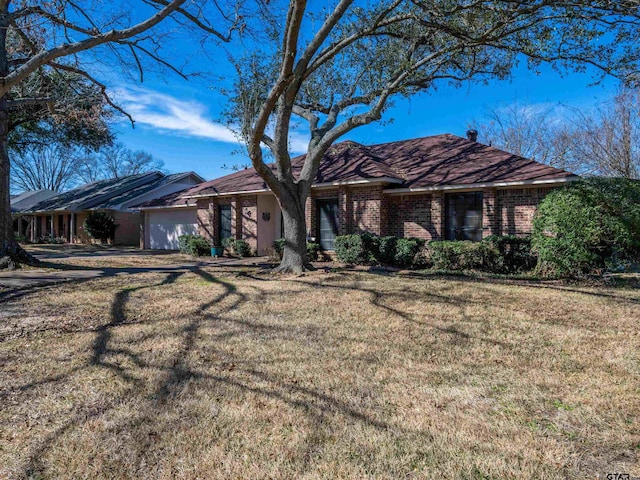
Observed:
{"x":59,"y":36}
{"x":337,"y":65}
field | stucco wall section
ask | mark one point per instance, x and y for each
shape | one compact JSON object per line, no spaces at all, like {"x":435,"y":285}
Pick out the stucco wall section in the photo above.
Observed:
{"x":249,"y":212}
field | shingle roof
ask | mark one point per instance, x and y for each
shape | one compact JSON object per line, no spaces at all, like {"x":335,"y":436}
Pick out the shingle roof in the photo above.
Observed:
{"x":436,"y":161}
{"x":447,"y":159}
{"x":175,"y":199}
{"x":132,"y":194}
{"x":96,"y":194}
{"x":26,"y":200}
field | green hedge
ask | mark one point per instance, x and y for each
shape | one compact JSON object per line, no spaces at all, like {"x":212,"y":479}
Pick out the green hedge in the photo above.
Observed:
{"x":511,"y":254}
{"x":366,"y":248}
{"x":356,"y":248}
{"x":588,"y":226}
{"x":459,"y":255}
{"x":406,"y":250}
{"x":194,"y":245}
{"x":237,"y":247}
{"x":313,"y":249}
{"x":499,"y":254}
{"x":100,"y":225}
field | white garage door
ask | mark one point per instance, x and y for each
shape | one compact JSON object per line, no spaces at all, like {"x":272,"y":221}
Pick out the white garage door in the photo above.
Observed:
{"x":166,"y":227}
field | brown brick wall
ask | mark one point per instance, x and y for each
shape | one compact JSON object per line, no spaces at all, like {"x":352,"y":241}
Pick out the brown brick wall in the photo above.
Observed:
{"x":507,"y":211}
{"x":490,"y":213}
{"x":81,"y":235}
{"x":366,"y":210}
{"x":516,"y":208}
{"x":206,"y":218}
{"x":128,"y":231}
{"x":411,"y":216}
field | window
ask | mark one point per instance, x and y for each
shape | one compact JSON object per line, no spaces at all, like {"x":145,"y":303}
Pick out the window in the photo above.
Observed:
{"x":224,"y":216}
{"x":464,"y":216}
{"x":327,"y":223}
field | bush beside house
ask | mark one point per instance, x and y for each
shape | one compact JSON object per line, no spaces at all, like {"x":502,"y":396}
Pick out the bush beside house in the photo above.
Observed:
{"x":194,"y":245}
{"x":237,"y":247}
{"x":101,"y":226}
{"x":588,"y":226}
{"x":313,"y":250}
{"x":496,"y":254}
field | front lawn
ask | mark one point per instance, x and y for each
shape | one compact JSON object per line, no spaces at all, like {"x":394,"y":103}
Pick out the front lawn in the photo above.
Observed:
{"x":214,"y":373}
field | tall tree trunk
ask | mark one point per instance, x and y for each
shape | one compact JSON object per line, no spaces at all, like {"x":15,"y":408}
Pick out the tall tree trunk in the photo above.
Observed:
{"x":6,"y":223}
{"x":11,"y":254}
{"x":7,"y":240}
{"x":294,"y":257}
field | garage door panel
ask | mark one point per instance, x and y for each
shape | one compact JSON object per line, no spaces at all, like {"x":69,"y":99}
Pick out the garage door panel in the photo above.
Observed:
{"x":166,"y":227}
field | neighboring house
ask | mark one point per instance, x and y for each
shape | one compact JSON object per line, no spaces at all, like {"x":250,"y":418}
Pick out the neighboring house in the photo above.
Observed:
{"x":63,"y":215}
{"x":165,"y":219}
{"x":23,"y":224}
{"x":439,"y":187}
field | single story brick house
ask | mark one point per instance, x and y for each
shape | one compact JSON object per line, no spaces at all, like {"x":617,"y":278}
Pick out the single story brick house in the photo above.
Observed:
{"x":438,"y":187}
{"x":23,"y":225}
{"x":62,"y":216}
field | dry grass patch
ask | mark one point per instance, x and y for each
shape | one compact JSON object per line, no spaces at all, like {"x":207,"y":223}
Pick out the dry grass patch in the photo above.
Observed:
{"x":213,"y":373}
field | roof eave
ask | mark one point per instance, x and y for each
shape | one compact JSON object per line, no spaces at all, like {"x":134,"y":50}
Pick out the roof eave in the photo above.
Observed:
{"x":372,"y":181}
{"x":471,"y":186}
{"x":163,"y":207}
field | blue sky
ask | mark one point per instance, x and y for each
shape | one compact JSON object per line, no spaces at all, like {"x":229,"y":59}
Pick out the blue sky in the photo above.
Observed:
{"x":176,"y":118}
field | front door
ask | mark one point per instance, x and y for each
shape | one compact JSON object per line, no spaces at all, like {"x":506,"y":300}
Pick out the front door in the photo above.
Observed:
{"x":327,"y":223}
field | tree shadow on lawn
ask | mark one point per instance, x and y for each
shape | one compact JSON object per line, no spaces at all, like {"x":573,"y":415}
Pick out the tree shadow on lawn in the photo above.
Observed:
{"x":377,"y":300}
{"x":177,"y":371}
{"x":312,"y":403}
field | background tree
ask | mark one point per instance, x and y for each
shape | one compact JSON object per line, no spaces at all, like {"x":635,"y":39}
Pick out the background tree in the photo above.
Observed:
{"x":115,"y":161}
{"x":603,"y":140}
{"x":541,"y":133}
{"x":337,"y":66}
{"x":73,"y":112}
{"x":45,"y":138}
{"x":59,"y":35}
{"x":52,"y":167}
{"x":607,"y":139}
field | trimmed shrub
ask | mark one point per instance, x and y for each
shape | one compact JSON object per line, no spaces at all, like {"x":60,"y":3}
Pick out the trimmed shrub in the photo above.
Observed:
{"x":237,"y":247}
{"x":242,"y":248}
{"x":359,"y":248}
{"x":100,"y":225}
{"x":194,"y":245}
{"x":351,"y":249}
{"x":511,"y":254}
{"x":460,"y":255}
{"x":278,"y":246}
{"x":313,"y":249}
{"x":587,"y":226}
{"x":228,"y":243}
{"x":406,"y":251}
{"x":386,"y":250}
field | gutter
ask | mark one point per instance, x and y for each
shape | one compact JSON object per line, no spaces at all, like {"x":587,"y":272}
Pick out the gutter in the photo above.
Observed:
{"x":375,"y":181}
{"x":476,"y":186}
{"x":164,"y":207}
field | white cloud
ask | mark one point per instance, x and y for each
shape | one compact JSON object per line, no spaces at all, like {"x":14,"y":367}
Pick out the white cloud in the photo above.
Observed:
{"x":183,"y":117}
{"x":164,"y":112}
{"x":553,"y":113}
